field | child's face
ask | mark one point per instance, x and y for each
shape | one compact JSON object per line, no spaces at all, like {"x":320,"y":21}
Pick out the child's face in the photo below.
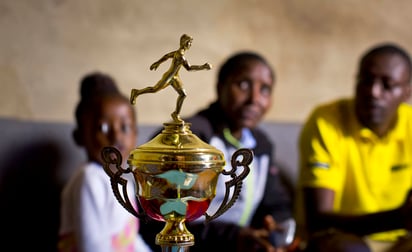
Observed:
{"x":110,"y":123}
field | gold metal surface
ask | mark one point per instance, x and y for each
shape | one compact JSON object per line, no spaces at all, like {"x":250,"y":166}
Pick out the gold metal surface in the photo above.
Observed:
{"x":171,"y":76}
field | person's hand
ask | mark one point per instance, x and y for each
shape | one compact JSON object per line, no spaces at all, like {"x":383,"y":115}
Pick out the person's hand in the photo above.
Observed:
{"x":251,"y":239}
{"x":154,"y":66}
{"x":270,"y":225}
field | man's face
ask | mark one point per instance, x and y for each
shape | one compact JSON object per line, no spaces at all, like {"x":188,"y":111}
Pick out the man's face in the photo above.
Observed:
{"x":246,"y":95}
{"x":383,"y":84}
{"x":112,"y":123}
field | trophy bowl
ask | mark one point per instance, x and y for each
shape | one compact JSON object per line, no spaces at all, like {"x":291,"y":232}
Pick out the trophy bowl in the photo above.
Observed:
{"x":176,"y":175}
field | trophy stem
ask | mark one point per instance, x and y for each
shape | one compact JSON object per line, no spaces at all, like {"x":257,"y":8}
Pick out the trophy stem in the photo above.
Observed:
{"x":175,"y":237}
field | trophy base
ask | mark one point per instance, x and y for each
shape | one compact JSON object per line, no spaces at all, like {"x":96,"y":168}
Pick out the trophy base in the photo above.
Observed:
{"x":174,"y":249}
{"x":175,"y":237}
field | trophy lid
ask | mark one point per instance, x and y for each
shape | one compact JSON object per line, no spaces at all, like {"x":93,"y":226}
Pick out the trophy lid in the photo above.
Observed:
{"x":176,"y":147}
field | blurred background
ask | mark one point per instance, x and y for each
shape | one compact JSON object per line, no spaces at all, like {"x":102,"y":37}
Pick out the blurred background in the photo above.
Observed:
{"x":47,"y":46}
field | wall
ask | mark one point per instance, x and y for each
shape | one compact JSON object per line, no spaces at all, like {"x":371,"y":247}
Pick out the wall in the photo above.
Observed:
{"x":47,"y":46}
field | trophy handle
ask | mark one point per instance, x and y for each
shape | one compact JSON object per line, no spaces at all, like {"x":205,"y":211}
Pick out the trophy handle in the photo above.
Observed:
{"x":235,"y":182}
{"x":112,"y":156}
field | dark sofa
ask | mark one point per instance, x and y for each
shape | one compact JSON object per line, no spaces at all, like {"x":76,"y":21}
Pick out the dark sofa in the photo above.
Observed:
{"x":37,"y":158}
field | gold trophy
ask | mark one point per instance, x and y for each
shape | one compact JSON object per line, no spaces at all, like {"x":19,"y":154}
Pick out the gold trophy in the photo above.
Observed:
{"x":175,"y":172}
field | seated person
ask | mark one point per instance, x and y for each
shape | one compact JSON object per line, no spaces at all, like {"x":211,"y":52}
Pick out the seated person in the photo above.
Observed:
{"x":91,"y":217}
{"x":244,"y":94}
{"x":356,"y":160}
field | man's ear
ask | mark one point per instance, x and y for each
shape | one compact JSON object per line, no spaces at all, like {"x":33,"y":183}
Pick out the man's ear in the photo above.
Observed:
{"x":77,"y":137}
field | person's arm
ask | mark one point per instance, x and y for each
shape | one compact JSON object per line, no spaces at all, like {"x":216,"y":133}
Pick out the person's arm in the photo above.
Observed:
{"x":277,"y":197}
{"x":276,"y":205}
{"x":318,"y":203}
{"x":155,"y":65}
{"x":93,"y":232}
{"x":276,"y":200}
{"x":189,"y":67}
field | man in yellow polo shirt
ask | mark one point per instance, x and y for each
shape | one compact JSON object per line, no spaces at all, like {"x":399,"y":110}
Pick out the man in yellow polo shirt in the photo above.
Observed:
{"x":356,"y":161}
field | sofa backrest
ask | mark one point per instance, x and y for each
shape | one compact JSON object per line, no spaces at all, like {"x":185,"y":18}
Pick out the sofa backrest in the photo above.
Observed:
{"x":37,"y":158}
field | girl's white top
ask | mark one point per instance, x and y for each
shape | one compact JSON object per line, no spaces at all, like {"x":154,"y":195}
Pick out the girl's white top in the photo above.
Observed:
{"x":92,"y":220}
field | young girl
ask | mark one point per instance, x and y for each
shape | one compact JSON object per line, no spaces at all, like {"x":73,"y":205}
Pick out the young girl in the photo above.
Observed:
{"x":92,"y":220}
